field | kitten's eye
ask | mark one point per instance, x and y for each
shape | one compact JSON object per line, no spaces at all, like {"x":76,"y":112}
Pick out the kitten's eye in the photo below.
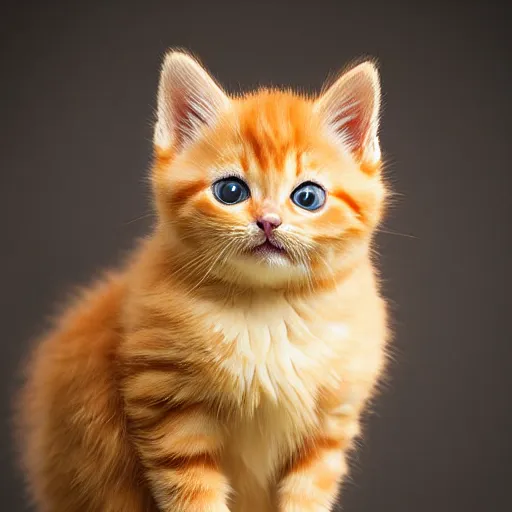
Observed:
{"x":230,"y":191}
{"x":309,"y":196}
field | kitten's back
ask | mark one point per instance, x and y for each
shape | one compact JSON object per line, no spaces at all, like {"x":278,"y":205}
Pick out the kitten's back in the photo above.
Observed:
{"x":70,"y":417}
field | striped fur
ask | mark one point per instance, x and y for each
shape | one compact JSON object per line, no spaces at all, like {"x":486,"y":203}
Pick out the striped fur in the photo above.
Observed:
{"x":197,"y":378}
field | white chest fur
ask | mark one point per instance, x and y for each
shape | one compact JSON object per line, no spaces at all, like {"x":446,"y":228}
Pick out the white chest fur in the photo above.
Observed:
{"x":276,"y":350}
{"x":275,"y":354}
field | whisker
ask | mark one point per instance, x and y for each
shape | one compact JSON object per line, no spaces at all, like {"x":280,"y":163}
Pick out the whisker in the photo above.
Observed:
{"x":395,"y":233}
{"x":145,"y":216}
{"x":226,"y":247}
{"x":329,"y":268}
{"x":193,"y":265}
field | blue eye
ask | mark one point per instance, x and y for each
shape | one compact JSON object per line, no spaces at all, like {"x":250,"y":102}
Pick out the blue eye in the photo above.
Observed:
{"x":230,"y":191}
{"x":309,"y":196}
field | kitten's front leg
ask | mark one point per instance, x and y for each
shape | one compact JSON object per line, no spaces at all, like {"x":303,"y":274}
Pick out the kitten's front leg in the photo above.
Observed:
{"x":312,"y":479}
{"x":178,"y":443}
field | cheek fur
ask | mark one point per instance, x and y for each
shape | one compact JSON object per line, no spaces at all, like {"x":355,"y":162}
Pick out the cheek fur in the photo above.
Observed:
{"x":234,"y":215}
{"x":206,"y":220}
{"x":329,"y":224}
{"x":207,"y":207}
{"x":334,"y":219}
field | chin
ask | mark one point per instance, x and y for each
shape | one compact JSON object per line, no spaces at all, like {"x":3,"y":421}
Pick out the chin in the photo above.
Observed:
{"x":266,"y":270}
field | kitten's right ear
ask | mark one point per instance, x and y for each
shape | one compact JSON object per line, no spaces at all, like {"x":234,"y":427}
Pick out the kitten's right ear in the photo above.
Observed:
{"x":188,"y":99}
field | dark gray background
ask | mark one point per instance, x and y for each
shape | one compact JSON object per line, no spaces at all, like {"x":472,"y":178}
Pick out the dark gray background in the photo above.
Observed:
{"x":77,"y":93}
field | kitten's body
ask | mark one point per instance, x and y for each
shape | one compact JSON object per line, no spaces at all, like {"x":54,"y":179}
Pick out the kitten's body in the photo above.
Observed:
{"x":211,"y":382}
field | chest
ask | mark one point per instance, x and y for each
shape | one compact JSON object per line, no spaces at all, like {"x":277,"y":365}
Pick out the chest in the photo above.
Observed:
{"x":256,"y":451}
{"x":278,"y":352}
{"x":275,"y":357}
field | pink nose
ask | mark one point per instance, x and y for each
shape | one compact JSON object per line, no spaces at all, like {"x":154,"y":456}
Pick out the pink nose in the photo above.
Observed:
{"x":268,"y":223}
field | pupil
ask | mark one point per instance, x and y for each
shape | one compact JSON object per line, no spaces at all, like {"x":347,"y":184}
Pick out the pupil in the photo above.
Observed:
{"x":307,"y":198}
{"x":231,"y":192}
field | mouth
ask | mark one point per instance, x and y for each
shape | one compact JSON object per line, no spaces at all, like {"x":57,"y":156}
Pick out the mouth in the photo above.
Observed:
{"x":268,"y":248}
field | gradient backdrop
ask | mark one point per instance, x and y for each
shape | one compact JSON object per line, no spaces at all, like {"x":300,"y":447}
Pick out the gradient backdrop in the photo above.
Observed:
{"x":78,"y":82}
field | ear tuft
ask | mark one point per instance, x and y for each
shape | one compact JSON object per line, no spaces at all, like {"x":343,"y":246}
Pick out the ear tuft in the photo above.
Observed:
{"x":188,"y":99}
{"x":351,"y":107}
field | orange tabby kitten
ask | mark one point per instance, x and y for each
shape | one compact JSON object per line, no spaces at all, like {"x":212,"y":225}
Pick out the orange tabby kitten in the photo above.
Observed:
{"x":226,"y":366}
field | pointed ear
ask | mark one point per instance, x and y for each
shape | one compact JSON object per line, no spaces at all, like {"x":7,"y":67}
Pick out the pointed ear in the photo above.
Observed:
{"x":188,"y":99}
{"x":350,"y":107}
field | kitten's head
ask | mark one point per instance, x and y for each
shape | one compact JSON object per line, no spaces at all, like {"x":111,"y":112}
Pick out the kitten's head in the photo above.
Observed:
{"x":272,"y":188}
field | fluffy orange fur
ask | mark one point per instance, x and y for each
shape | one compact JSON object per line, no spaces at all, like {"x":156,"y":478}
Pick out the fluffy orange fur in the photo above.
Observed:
{"x":201,"y":376}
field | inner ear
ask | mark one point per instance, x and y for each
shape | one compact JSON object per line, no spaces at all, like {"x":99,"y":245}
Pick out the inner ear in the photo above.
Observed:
{"x":188,"y":100}
{"x":351,"y":107}
{"x":188,"y":119}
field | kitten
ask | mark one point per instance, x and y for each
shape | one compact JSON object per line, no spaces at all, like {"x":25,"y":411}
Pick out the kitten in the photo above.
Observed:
{"x":226,"y":366}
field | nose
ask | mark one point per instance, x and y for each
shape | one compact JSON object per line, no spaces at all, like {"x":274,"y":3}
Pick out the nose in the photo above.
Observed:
{"x":268,"y":223}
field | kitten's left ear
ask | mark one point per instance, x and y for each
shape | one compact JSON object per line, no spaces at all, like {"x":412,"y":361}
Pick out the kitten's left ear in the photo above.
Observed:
{"x":188,"y":99}
{"x":351,"y":108}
